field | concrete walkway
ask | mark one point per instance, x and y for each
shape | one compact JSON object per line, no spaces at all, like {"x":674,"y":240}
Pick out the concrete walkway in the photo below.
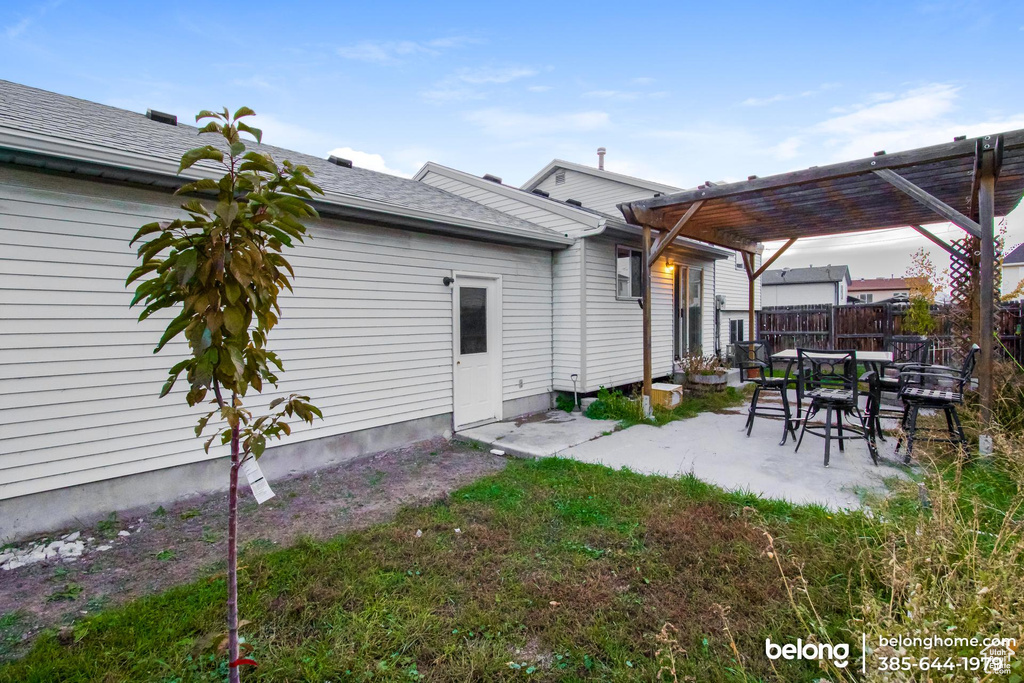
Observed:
{"x":713,"y":446}
{"x":540,"y":435}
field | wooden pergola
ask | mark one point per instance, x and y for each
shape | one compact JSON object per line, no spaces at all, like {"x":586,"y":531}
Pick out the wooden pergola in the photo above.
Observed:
{"x":954,"y":182}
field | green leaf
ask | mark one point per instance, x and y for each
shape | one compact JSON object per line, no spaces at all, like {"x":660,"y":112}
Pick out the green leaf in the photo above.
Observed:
{"x":191,"y":157}
{"x":187,"y":262}
{"x":255,"y":132}
{"x":207,"y":114}
{"x":172,"y":331}
{"x":237,"y":148}
{"x":234,"y":319}
{"x":201,"y":185}
{"x":243,"y":111}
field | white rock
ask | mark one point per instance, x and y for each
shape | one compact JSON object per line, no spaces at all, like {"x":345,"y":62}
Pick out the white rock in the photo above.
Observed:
{"x":73,"y":536}
{"x":458,"y":531}
{"x":104,"y":547}
{"x":124,"y":533}
{"x":72,"y":549}
{"x":497,"y":451}
{"x":419,"y":533}
{"x":90,"y":539}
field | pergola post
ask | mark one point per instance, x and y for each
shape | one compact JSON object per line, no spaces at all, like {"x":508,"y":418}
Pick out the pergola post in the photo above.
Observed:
{"x":647,"y":312}
{"x":986,"y":294}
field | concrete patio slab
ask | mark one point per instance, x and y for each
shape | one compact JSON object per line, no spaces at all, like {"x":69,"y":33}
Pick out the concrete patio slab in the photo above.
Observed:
{"x":715,"y":448}
{"x":539,"y":435}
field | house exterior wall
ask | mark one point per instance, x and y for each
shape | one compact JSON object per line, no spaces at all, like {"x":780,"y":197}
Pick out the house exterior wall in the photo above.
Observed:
{"x":803,"y":294}
{"x":1013,"y":273}
{"x":600,"y":194}
{"x":367,"y":333}
{"x":605,"y":194}
{"x":878,"y":294}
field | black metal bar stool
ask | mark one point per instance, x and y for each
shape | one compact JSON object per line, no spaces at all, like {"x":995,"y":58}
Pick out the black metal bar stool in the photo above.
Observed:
{"x":829,"y":379}
{"x":754,"y":359}
{"x":885,"y":382}
{"x":937,"y":387}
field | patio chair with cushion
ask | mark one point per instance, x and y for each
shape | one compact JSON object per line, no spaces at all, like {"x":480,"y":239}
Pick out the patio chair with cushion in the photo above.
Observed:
{"x":937,"y":387}
{"x":829,"y":380}
{"x":906,"y":350}
{"x":754,"y":359}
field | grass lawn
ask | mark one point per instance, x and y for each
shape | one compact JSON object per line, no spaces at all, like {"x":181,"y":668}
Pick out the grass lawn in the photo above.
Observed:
{"x":559,"y":571}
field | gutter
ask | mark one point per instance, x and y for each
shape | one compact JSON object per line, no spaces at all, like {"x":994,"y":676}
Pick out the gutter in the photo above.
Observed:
{"x":96,"y":162}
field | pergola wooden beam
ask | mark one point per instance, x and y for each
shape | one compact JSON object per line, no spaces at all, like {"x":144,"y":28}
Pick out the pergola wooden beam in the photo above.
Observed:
{"x":948,"y":248}
{"x":935,"y":204}
{"x":665,"y":240}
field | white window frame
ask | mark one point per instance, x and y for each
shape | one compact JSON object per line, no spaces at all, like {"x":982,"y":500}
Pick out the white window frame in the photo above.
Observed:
{"x":640,"y":253}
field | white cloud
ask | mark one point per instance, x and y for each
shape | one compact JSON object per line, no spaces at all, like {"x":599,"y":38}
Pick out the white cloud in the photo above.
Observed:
{"x":465,"y":84}
{"x":367,"y":160}
{"x":502,"y":122}
{"x":622,"y":95}
{"x":643,"y":80}
{"x":394,"y":51}
{"x":782,"y":97}
{"x":922,"y":116}
{"x":489,"y":74}
{"x":539,"y":88}
{"x":16,"y":29}
{"x":787,"y":149}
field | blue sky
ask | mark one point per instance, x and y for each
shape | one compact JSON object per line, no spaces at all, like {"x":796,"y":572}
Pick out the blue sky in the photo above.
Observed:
{"x":678,"y":92}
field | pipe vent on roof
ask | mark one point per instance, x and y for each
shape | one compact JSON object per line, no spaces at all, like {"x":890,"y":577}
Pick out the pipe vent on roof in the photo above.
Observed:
{"x":601,"y":151}
{"x":542,"y":193}
{"x":492,"y":178}
{"x":338,"y":161}
{"x":161,"y":117}
{"x":574,"y":202}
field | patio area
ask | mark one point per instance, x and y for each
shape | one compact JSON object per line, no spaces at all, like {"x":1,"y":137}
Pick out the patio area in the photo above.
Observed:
{"x":713,"y":447}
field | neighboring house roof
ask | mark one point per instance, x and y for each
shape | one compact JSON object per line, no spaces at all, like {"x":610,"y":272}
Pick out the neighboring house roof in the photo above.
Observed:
{"x":598,"y":221}
{"x":536,"y":180}
{"x":42,"y":128}
{"x":804,"y":276}
{"x":873,"y":283}
{"x":1016,"y":256}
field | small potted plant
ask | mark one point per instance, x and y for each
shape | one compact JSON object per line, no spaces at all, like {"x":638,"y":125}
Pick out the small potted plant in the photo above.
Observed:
{"x":703,"y":373}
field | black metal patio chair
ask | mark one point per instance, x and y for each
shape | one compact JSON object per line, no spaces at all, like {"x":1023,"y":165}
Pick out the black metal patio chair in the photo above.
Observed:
{"x":754,"y":359}
{"x":906,"y":350}
{"x":937,"y":387}
{"x":829,"y":380}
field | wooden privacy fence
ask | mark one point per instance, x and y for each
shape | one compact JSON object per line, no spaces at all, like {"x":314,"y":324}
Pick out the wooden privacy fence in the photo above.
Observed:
{"x":869,"y":327}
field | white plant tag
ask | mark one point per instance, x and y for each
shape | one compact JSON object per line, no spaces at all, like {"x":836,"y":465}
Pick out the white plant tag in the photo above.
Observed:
{"x":257,"y":483}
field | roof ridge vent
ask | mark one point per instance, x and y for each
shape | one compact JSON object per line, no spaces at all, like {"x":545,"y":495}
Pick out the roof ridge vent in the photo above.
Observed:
{"x":574,"y":202}
{"x":541,"y":193}
{"x":492,"y":178}
{"x":161,"y":117}
{"x":338,"y":161}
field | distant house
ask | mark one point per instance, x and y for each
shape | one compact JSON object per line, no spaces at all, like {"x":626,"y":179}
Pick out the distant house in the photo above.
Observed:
{"x":870,"y":290}
{"x":1013,"y":269}
{"x":717,"y":286}
{"x":805,"y":286}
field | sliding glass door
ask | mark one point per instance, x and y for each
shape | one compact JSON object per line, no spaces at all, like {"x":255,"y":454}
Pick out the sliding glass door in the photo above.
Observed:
{"x":689,"y":297}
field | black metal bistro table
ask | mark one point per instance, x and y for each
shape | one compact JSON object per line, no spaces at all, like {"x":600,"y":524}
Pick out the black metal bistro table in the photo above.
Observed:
{"x":875,"y":360}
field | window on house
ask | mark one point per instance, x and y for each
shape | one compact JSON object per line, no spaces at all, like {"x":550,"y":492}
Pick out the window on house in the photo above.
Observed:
{"x":736,"y":331}
{"x":867,"y":298}
{"x":737,"y":260}
{"x":628,"y":273}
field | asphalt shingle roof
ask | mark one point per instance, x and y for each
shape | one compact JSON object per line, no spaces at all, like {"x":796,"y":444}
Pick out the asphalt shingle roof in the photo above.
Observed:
{"x":794,"y":276}
{"x":74,"y":121}
{"x":1015,"y":256}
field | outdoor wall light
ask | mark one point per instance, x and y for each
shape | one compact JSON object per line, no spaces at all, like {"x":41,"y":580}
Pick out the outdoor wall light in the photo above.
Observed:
{"x":448,"y":281}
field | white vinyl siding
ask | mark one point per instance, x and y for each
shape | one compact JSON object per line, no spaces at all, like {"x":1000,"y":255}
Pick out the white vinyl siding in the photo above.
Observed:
{"x":595,"y":193}
{"x":566,"y":318}
{"x":367,"y":334}
{"x":800,"y":294}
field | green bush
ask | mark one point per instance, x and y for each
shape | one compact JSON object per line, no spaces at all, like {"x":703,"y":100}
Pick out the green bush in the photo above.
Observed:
{"x":612,"y":404}
{"x":565,"y":402}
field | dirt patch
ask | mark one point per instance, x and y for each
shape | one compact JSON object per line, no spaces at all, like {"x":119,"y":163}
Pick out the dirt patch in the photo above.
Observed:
{"x":187,"y":540}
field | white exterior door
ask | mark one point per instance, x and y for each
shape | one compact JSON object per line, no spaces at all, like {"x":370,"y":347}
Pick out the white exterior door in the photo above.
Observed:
{"x":477,"y":349}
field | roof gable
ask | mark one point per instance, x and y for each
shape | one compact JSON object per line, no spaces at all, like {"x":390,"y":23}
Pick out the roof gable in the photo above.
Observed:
{"x":864,"y":284}
{"x":1016,"y":256}
{"x":556,"y":164}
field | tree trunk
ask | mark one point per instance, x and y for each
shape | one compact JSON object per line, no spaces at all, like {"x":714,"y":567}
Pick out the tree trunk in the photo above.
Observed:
{"x":233,"y":655}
